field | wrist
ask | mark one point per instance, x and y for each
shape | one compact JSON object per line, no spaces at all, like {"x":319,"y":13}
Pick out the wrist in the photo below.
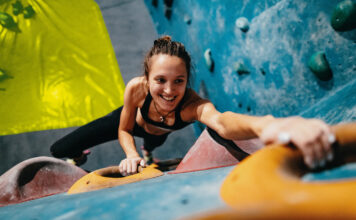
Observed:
{"x":261,"y":124}
{"x":132,"y":155}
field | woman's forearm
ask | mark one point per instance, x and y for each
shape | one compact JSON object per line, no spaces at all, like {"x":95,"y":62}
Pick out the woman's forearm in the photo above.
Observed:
{"x":127,"y":143}
{"x":240,"y":127}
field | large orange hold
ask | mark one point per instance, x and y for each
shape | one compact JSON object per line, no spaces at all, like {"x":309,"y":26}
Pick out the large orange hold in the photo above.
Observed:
{"x":268,"y":184}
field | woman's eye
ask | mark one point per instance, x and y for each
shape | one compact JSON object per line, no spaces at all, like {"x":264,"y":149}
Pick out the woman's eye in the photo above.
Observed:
{"x":160,"y":80}
{"x":178,"y":81}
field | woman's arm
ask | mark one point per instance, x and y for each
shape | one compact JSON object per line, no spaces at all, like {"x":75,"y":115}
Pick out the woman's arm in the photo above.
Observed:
{"x":313,"y":137}
{"x":132,"y":97}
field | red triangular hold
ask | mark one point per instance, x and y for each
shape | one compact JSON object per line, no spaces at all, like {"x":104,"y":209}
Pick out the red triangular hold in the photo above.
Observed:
{"x":211,"y":151}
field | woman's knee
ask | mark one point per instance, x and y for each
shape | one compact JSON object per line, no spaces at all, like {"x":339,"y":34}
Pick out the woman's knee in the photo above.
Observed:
{"x":60,"y":149}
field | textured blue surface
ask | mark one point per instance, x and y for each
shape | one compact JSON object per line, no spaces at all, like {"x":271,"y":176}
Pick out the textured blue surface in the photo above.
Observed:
{"x":167,"y":197}
{"x":282,"y":36}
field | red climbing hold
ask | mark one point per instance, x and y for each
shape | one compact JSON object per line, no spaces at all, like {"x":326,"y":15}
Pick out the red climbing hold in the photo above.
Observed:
{"x":212,"y":151}
{"x":37,"y":177}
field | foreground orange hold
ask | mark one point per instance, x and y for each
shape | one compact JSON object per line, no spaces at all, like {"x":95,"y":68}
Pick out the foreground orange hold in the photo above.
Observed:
{"x":110,"y":177}
{"x":267,"y":185}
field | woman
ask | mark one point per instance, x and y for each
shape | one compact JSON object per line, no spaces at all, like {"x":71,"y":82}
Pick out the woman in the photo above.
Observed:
{"x":160,"y":102}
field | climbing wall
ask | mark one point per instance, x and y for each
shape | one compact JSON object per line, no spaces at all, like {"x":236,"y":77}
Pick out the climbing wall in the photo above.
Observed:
{"x":276,"y":57}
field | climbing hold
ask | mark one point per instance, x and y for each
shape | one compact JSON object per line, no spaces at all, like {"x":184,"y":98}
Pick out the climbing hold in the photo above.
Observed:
{"x":168,"y":13}
{"x":168,"y":3}
{"x":28,"y":12}
{"x":243,"y":24}
{"x":17,"y":8}
{"x":263,"y":71}
{"x":6,"y":20}
{"x":240,"y":68}
{"x":209,"y":60}
{"x":168,"y":8}
{"x":344,"y":16}
{"x":155,"y":3}
{"x":319,"y":65}
{"x":187,"y":19}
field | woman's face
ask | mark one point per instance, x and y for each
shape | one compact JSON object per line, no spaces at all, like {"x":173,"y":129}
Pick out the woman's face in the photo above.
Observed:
{"x":167,"y":80}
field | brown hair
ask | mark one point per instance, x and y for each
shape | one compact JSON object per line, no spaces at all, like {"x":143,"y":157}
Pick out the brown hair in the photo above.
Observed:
{"x":165,"y":45}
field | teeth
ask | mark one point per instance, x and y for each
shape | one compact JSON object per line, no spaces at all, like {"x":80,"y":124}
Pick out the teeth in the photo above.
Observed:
{"x":168,"y":98}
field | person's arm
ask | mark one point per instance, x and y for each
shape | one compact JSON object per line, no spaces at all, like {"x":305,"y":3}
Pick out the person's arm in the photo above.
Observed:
{"x":127,"y":122}
{"x":313,"y":137}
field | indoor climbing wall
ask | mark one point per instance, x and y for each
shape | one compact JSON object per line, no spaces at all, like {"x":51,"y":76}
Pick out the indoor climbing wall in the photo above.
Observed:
{"x":260,"y":57}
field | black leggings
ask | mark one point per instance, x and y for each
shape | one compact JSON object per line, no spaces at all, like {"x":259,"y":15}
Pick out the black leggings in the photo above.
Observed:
{"x":99,"y":131}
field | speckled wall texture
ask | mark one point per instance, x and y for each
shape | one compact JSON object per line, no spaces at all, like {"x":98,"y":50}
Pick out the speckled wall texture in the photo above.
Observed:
{"x":256,"y":56}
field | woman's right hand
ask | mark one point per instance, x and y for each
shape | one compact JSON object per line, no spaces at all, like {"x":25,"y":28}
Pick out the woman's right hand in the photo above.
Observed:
{"x":129,"y":165}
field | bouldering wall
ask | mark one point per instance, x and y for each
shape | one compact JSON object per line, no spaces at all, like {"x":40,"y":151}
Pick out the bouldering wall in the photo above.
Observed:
{"x":276,"y":57}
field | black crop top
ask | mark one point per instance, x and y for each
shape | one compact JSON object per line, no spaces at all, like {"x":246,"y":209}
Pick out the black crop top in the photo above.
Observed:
{"x":178,"y":122}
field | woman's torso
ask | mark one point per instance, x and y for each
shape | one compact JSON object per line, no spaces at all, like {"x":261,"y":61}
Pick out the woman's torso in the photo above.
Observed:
{"x":178,"y":119}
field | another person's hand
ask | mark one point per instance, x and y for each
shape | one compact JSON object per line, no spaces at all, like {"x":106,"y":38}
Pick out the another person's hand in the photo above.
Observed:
{"x":312,"y":136}
{"x":129,"y":166}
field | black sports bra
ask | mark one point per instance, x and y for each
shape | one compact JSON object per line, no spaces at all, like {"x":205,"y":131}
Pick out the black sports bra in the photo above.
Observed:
{"x":178,"y":122}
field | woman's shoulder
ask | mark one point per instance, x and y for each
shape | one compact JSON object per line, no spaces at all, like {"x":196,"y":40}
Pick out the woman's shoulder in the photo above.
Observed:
{"x":136,"y":90}
{"x":192,"y":99}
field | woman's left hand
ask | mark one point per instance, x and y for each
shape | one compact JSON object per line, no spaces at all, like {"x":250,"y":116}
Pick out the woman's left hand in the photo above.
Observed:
{"x":312,"y":136}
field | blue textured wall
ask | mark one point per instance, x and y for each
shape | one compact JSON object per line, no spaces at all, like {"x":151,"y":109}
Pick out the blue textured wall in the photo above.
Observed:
{"x":282,"y":36}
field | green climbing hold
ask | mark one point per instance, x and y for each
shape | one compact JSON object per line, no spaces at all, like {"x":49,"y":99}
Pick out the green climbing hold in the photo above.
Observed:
{"x":344,"y":16}
{"x":17,"y":8}
{"x":28,"y":12}
{"x":7,"y":21}
{"x":319,"y":65}
{"x":240,"y":68}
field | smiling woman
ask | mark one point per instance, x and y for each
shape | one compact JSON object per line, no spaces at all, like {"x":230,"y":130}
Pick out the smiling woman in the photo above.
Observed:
{"x":160,"y":102}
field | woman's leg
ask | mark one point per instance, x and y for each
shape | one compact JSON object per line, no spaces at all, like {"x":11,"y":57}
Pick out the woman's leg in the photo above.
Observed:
{"x":96,"y":132}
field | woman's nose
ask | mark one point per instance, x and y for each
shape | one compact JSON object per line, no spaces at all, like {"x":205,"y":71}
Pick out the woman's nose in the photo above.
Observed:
{"x":168,"y":88}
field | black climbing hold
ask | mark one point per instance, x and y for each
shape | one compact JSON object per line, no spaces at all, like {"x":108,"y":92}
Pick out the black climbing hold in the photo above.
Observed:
{"x":319,"y":65}
{"x":344,"y":16}
{"x":243,"y":24}
{"x":248,"y":108}
{"x":155,"y":3}
{"x":168,"y":13}
{"x":240,"y":68}
{"x":28,"y":12}
{"x":168,"y":8}
{"x":240,"y":105}
{"x":168,"y":3}
{"x":17,"y":8}
{"x":209,"y":60}
{"x":263,"y":71}
{"x":7,"y":21}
